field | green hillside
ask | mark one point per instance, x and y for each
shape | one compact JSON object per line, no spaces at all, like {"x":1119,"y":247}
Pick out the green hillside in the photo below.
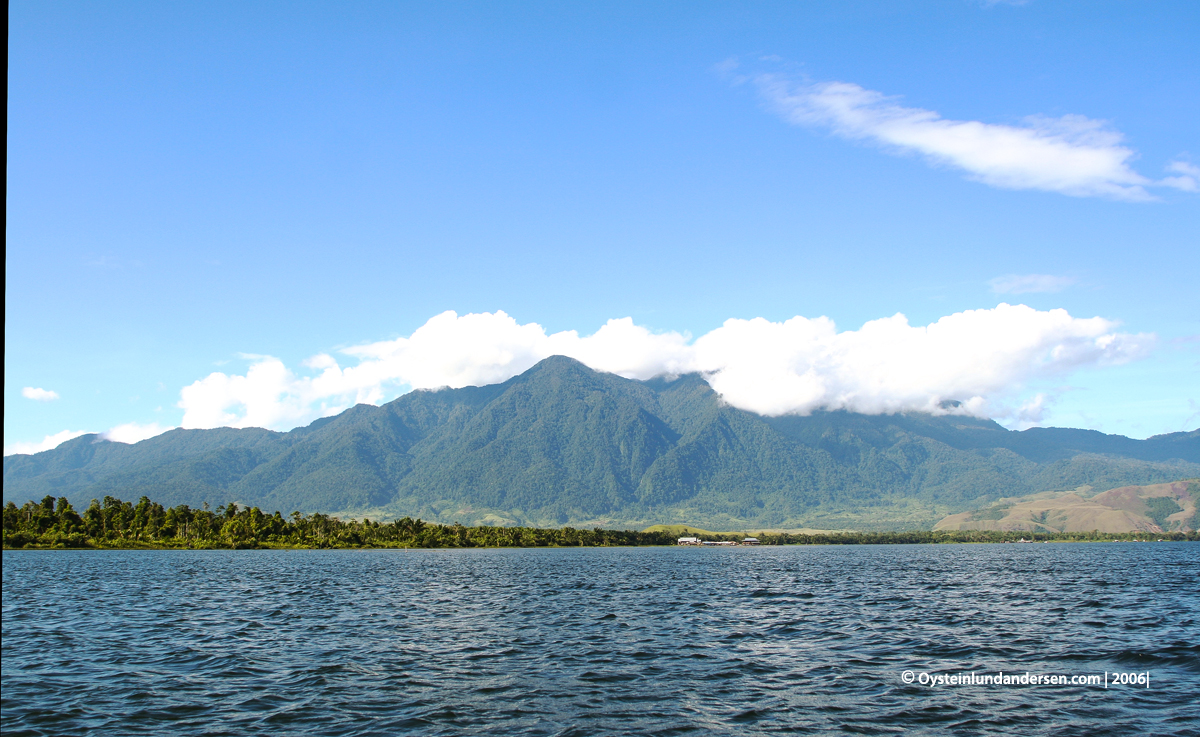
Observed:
{"x":562,"y":444}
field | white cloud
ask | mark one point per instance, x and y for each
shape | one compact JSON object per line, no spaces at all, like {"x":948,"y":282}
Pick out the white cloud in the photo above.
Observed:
{"x":47,"y":443}
{"x":269,"y":395}
{"x":1030,"y":283}
{"x":1073,"y":154}
{"x":1188,"y":179}
{"x":132,"y":432}
{"x":981,"y":358}
{"x":39,"y":395}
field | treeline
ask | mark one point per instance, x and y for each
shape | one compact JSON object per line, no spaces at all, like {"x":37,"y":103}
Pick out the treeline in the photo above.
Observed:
{"x":114,"y":523}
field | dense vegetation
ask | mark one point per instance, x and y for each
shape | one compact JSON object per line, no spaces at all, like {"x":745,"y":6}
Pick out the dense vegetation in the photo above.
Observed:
{"x":562,"y":444}
{"x":54,"y":523}
{"x":113,"y":523}
{"x":1159,"y":508}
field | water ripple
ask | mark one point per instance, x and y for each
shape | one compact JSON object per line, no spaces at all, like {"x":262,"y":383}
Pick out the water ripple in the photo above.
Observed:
{"x":799,"y":640}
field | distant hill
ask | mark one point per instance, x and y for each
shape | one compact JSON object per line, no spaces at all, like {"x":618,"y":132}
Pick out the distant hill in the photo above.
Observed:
{"x":562,"y":444}
{"x":1156,"y":508}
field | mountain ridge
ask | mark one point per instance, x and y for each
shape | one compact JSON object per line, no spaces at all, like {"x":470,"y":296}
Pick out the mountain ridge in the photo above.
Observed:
{"x":563,"y":444}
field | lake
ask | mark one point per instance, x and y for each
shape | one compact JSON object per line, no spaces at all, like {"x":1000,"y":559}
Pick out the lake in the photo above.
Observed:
{"x":568,"y":641}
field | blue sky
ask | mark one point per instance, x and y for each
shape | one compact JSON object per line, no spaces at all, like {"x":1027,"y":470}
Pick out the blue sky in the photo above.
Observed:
{"x":195,"y":187}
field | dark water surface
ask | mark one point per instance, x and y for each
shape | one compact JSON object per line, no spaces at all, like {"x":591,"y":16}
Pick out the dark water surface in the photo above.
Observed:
{"x":747,"y":641}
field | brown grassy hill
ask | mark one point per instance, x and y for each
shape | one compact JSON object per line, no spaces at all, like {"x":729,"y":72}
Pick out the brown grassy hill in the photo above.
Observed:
{"x":1155,"y":508}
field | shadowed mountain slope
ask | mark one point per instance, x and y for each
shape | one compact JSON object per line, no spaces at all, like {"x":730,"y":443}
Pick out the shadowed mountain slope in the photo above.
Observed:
{"x":562,"y":444}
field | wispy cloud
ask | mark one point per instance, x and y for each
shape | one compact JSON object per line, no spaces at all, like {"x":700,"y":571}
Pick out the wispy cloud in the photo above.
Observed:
{"x":1187,"y":176}
{"x":1072,"y":154}
{"x":982,"y":359}
{"x":1030,"y":283}
{"x":38,"y":394}
{"x":1187,"y":425}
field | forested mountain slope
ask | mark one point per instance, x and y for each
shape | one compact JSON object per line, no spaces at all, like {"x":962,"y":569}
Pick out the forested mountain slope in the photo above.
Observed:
{"x":562,"y":444}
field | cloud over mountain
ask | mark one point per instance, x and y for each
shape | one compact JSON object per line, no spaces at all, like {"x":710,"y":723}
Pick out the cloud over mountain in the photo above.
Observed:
{"x":132,"y":432}
{"x":977,"y":362}
{"x":46,"y":443}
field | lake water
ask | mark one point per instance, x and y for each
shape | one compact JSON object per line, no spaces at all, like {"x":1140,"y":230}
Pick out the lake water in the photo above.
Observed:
{"x":655,"y":641}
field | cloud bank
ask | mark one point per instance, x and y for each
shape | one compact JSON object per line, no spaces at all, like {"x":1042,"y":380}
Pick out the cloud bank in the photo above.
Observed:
{"x":1073,"y":155}
{"x":982,"y":359}
{"x":977,"y":362}
{"x":38,"y":394}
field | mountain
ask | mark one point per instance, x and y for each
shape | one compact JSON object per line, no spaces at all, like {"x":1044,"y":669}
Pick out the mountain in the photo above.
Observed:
{"x":563,"y":444}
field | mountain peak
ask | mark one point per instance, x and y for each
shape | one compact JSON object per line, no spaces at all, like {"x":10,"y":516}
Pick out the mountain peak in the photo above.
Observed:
{"x":559,"y":364}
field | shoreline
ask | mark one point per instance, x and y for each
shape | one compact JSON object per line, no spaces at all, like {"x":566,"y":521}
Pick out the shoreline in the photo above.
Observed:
{"x":266,"y":546}
{"x":53,"y":524}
